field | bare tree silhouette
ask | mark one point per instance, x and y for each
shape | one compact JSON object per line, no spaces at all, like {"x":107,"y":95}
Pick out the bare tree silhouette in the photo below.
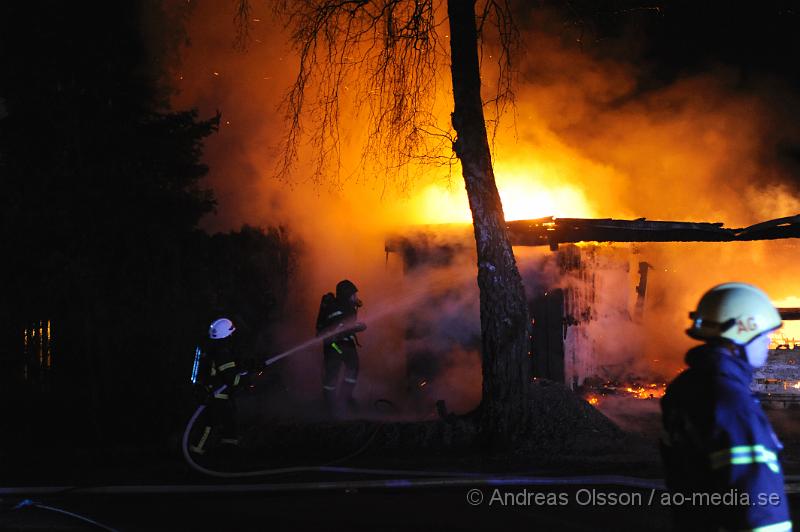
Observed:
{"x":392,"y":51}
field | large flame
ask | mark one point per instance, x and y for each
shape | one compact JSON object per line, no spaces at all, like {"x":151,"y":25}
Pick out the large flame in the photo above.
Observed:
{"x":526,"y":193}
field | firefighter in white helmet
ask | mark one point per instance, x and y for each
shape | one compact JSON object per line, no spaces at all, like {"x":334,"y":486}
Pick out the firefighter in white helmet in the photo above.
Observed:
{"x":220,"y":376}
{"x":717,"y":441}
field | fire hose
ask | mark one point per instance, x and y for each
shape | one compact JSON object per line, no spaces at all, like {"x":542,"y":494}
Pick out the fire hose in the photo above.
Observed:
{"x":445,"y":478}
{"x":792,"y":488}
{"x":431,"y":478}
{"x":479,"y":481}
{"x":326,"y":336}
{"x":27,"y":503}
{"x":395,"y":483}
{"x":328,"y":467}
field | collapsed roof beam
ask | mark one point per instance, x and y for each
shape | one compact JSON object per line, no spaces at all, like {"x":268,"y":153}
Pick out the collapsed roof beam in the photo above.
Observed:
{"x":553,"y":231}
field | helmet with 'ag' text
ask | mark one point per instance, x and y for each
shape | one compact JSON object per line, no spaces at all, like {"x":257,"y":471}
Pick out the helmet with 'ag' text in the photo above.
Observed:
{"x":736,"y":312}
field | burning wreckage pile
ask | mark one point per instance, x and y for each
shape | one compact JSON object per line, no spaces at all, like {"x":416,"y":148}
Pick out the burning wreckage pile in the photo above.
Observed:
{"x":777,"y":383}
{"x":594,"y":389}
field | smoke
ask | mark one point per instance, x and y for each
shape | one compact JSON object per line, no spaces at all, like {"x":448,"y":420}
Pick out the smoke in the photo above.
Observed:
{"x":340,"y":230}
{"x":709,"y":146}
{"x":705,"y":147}
{"x":589,"y":126}
{"x":442,"y":339}
{"x":683,"y":271}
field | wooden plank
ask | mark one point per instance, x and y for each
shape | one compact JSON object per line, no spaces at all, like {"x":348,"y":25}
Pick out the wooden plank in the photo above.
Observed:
{"x":789,"y":314}
{"x":552,"y":231}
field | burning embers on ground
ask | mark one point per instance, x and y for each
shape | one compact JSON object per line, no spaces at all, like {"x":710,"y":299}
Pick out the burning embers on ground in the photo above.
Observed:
{"x":777,"y":383}
{"x":595,"y":390}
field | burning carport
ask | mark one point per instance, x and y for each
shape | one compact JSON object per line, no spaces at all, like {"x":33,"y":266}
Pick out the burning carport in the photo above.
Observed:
{"x":567,"y":314}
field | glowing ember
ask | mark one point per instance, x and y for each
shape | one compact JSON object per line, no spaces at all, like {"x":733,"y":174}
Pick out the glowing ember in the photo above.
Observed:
{"x":594,"y":392}
{"x":649,"y":391}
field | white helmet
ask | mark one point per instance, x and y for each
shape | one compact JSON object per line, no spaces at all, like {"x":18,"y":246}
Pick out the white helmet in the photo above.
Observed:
{"x":737,"y":312}
{"x":221,"y":328}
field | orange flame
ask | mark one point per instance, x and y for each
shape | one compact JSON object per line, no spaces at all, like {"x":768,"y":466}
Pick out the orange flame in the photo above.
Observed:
{"x":526,"y":193}
{"x":789,"y":333}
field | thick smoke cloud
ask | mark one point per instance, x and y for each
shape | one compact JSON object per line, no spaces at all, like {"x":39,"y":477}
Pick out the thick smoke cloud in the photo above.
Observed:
{"x":704,"y":147}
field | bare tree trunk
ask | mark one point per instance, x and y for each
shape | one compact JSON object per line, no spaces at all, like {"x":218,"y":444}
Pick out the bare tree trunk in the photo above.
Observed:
{"x":504,"y":317}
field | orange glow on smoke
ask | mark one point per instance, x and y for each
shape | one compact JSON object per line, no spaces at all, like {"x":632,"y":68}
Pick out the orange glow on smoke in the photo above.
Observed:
{"x":587,"y":143}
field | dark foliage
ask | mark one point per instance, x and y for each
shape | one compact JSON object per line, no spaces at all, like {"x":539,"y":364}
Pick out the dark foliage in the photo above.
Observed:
{"x":99,"y":212}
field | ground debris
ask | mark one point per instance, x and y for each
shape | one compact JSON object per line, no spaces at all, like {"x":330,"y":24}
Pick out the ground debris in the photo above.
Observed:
{"x":563,"y":426}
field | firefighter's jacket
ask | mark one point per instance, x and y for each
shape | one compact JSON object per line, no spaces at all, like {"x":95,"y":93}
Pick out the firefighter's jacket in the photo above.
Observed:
{"x":717,"y":440}
{"x":336,"y":324}
{"x":220,"y":371}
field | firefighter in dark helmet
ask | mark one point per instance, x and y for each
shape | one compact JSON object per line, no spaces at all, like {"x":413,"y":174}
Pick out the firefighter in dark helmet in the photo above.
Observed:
{"x":717,"y":441}
{"x":337,"y":325}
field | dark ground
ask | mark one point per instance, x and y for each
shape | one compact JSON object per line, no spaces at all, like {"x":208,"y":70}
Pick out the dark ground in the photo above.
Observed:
{"x":428,"y":509}
{"x":355,"y":501}
{"x":366,"y":509}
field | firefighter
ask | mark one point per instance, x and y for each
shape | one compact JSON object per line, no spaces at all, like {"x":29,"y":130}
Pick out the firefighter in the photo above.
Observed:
{"x":337,"y":325}
{"x":220,"y":377}
{"x":717,"y":440}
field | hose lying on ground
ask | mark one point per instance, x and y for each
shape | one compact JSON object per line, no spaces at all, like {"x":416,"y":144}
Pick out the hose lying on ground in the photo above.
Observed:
{"x":326,"y":468}
{"x":27,"y":503}
{"x":446,"y":478}
{"x":476,"y":481}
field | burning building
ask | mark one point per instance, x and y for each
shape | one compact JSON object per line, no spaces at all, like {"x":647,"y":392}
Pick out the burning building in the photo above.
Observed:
{"x":591,"y":322}
{"x":591,"y":137}
{"x":778,"y":382}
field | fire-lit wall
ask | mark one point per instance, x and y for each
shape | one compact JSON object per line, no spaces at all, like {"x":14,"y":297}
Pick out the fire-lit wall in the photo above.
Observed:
{"x":592,"y":318}
{"x":601,"y":337}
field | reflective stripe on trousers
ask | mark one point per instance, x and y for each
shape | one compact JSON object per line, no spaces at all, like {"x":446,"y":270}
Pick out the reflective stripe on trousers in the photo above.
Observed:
{"x":199,"y":447}
{"x":225,"y":366}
